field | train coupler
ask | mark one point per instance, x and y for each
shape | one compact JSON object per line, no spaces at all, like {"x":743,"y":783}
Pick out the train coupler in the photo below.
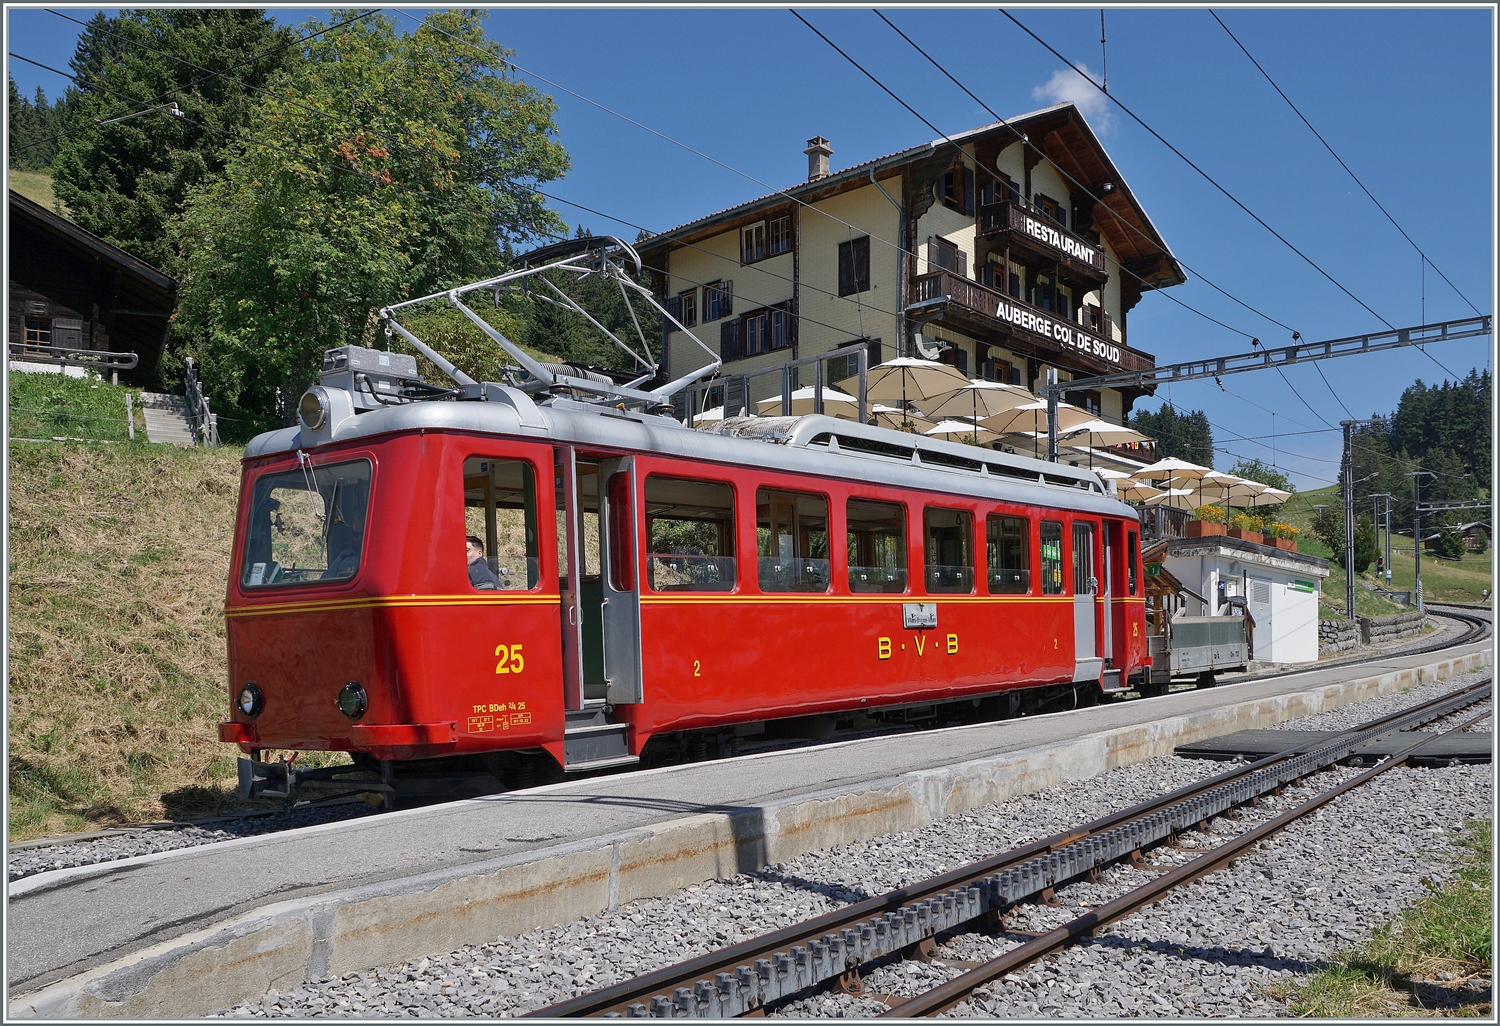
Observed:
{"x":276,"y":779}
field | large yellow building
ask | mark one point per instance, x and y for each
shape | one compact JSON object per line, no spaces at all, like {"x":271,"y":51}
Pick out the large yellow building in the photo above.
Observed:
{"x":1015,"y":248}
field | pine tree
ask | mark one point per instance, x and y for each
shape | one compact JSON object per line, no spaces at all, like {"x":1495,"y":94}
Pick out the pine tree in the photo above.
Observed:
{"x":1185,"y":436}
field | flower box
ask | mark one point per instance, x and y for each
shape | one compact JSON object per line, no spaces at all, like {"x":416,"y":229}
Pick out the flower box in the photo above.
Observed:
{"x":1203,"y":528}
{"x":1289,"y":544}
{"x":1249,"y":536}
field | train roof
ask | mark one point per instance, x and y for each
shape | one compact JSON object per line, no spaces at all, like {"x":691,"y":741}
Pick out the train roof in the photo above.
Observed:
{"x":815,"y":445}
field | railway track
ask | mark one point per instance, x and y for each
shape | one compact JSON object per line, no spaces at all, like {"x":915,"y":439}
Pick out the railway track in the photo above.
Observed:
{"x":768,"y":970}
{"x":116,"y":843}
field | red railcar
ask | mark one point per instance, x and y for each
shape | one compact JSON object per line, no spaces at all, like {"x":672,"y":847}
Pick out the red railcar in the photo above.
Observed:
{"x":640,"y":580}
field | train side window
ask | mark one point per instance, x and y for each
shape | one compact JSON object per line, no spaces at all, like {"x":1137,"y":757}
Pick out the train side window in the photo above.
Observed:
{"x":690,"y":531}
{"x":1052,"y":561}
{"x":877,"y":546}
{"x":1132,"y":560}
{"x":791,"y":530}
{"x":948,"y":541}
{"x":500,"y":509}
{"x":1008,"y":552}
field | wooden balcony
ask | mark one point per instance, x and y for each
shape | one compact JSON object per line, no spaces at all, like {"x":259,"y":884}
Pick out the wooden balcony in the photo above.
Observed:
{"x":983,"y":313}
{"x":1032,"y":237}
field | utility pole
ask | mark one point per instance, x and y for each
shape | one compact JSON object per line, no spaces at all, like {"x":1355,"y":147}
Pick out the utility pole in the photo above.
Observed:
{"x":1376,"y":512}
{"x":1348,"y":426}
{"x":1416,"y":533}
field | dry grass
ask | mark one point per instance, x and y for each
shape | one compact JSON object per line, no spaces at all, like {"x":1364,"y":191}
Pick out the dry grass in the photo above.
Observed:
{"x":118,"y":560}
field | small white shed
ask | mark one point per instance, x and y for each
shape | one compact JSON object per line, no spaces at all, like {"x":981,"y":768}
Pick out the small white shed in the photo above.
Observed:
{"x":1280,"y":589}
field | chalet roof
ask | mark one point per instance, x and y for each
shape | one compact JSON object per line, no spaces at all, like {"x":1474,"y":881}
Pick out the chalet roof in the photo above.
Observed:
{"x":1059,"y":131}
{"x":143,"y":296}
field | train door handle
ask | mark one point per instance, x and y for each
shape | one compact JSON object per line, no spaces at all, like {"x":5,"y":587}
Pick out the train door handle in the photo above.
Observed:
{"x":572,"y":615}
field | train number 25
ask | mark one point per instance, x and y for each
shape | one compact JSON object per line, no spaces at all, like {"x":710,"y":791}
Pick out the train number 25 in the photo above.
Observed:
{"x":511,"y":660}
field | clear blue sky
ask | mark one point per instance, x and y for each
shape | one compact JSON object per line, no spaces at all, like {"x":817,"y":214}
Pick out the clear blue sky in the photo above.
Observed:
{"x":1404,"y":96}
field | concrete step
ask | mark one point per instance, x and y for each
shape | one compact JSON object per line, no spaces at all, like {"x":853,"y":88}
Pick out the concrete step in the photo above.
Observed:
{"x":167,"y":419}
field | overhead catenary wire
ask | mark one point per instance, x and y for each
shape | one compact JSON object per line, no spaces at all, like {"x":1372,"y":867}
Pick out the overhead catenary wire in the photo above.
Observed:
{"x":145,"y":104}
{"x":1205,"y":175}
{"x":1026,"y":141}
{"x":1389,"y":217}
{"x":802,"y":203}
{"x":1080,"y":187}
{"x":862,"y":304}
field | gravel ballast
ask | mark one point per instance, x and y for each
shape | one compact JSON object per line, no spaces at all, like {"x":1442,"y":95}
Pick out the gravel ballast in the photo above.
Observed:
{"x":1213,"y":949}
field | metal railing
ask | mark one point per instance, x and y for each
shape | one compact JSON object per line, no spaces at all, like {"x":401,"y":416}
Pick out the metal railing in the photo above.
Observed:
{"x":202,"y":421}
{"x":737,"y":386}
{"x":1159,"y":522}
{"x":65,"y":356}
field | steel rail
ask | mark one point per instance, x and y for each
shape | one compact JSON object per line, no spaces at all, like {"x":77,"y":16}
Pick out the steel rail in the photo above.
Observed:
{"x":946,"y":995}
{"x":753,"y":973}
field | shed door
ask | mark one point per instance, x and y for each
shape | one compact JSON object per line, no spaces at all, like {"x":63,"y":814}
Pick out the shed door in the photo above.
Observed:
{"x":1258,"y":601}
{"x":622,"y":586}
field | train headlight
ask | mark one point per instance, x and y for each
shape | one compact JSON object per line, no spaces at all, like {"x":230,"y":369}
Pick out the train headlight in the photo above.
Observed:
{"x":352,"y":700}
{"x":312,"y":408}
{"x":251,"y":701}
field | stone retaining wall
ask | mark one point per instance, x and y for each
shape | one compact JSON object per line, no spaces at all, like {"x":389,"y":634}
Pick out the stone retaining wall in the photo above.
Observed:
{"x":1385,"y":628}
{"x":1337,"y":636}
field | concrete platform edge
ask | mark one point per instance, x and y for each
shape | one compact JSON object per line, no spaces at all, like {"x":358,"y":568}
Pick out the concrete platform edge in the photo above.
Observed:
{"x":392,"y":921}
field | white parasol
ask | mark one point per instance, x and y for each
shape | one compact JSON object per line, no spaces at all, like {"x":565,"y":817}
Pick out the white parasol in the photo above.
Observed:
{"x":905,"y":379}
{"x":835,"y":404}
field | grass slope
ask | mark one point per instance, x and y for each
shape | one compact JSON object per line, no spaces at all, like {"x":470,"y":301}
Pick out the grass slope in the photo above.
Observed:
{"x":1443,"y":580}
{"x":35,"y":186}
{"x":54,"y":405}
{"x":118,"y":557}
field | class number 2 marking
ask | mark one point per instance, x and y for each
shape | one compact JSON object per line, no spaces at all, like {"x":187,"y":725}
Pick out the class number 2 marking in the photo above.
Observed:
{"x":697,"y":668}
{"x":511,"y":660}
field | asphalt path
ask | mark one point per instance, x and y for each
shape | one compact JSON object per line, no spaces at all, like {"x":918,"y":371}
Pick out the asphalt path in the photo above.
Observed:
{"x":68,"y":921}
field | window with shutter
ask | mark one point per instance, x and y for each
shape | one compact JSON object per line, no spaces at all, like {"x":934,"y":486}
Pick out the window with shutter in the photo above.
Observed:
{"x":38,"y":331}
{"x":755,"y":329}
{"x":963,"y":262}
{"x":961,"y":360}
{"x":729,"y":341}
{"x":688,"y":303}
{"x":717,"y":300}
{"x":968,"y":192}
{"x":674,"y":309}
{"x":854,"y":266}
{"x":944,"y":254}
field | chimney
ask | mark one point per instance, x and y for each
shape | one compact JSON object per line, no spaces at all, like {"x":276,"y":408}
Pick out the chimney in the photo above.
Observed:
{"x":818,"y":151}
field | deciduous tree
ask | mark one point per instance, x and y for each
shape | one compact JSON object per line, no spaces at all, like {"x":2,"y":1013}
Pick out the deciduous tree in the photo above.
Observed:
{"x":384,"y":166}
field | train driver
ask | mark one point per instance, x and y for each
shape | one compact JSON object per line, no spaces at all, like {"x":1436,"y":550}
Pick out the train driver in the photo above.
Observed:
{"x":480,"y":574}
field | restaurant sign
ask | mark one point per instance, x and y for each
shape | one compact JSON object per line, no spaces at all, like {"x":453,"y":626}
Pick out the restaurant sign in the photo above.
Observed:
{"x":1060,"y":240}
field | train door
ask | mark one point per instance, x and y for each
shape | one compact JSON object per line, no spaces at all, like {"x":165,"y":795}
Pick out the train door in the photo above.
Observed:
{"x":621,"y":614}
{"x":1087,"y":661}
{"x":1105,"y":608}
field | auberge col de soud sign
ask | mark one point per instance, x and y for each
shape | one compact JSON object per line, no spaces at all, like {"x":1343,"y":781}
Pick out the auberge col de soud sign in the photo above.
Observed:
{"x":1060,"y":332}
